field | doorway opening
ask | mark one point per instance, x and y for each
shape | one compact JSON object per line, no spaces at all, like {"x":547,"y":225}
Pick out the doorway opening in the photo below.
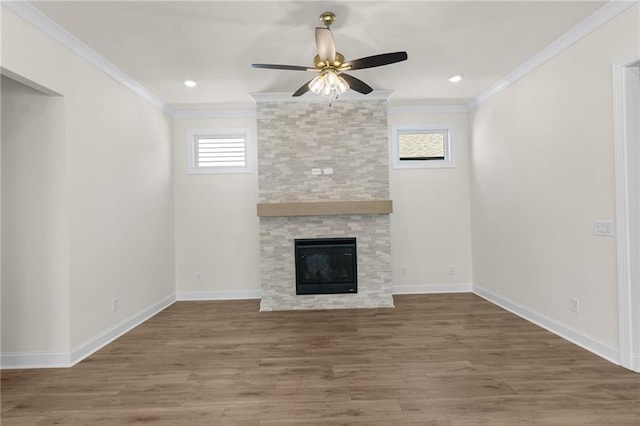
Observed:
{"x":626,"y":93}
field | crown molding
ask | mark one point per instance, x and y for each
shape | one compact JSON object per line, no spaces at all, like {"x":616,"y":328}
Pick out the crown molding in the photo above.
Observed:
{"x":23,"y":80}
{"x":31,"y":14}
{"x":215,"y":113}
{"x":596,"y":20}
{"x":428,"y":109}
{"x":376,"y":95}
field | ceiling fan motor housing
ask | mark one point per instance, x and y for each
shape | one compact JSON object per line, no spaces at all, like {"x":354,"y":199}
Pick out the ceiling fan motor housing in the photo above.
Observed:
{"x":337,"y":63}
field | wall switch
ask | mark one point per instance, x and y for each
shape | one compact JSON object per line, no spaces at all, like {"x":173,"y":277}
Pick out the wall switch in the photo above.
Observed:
{"x":115,"y":304}
{"x":327,"y":170}
{"x":603,"y":228}
{"x":574,"y":305}
{"x":316,"y":172}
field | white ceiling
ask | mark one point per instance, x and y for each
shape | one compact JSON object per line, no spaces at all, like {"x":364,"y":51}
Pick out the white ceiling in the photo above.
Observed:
{"x":160,"y":44}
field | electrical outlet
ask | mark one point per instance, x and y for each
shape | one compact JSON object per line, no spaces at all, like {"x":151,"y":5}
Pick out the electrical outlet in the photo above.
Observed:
{"x":115,"y":304}
{"x":452,"y":270}
{"x":198,"y":277}
{"x":574,"y":305}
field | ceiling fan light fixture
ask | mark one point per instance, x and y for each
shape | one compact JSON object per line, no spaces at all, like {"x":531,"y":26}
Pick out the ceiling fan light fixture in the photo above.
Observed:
{"x":342,"y":85}
{"x":329,"y":84}
{"x":328,"y":91}
{"x":332,"y":78}
{"x":317,"y":84}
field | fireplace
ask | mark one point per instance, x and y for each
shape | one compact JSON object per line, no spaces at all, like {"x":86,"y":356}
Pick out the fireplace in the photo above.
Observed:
{"x":326,"y":266}
{"x":353,"y":202}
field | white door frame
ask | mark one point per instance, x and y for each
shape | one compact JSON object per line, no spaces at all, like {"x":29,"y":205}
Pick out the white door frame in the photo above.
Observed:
{"x":628,"y":256}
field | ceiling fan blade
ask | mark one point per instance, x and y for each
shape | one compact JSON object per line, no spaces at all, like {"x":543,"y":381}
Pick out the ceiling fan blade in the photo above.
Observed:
{"x":325,"y":45}
{"x":302,"y":90}
{"x":356,"y":84}
{"x":282,"y":67}
{"x":375,"y":61}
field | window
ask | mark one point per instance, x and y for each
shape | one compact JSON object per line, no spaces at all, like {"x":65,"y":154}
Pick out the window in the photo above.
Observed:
{"x":420,"y":146}
{"x":219,"y":151}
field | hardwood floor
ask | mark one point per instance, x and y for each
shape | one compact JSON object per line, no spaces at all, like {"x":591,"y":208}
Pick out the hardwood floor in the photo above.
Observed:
{"x":451,"y":359}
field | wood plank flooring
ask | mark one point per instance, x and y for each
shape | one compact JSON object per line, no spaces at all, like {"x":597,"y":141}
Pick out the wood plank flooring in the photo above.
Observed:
{"x":450,"y":359}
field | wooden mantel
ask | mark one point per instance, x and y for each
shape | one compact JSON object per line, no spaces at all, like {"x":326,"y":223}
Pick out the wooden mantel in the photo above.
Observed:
{"x":325,"y":208}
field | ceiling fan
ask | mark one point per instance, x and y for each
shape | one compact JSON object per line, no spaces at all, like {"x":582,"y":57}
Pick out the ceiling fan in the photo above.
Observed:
{"x":330,"y":64}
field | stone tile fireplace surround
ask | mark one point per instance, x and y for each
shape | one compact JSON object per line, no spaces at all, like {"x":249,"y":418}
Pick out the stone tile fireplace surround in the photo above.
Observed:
{"x":350,"y":137}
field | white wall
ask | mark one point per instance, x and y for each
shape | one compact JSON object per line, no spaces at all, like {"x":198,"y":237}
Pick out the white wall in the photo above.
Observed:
{"x":35,"y":273}
{"x":122,"y":215}
{"x":542,"y":172}
{"x":119,"y":190}
{"x":216,"y":225}
{"x":430,"y":224}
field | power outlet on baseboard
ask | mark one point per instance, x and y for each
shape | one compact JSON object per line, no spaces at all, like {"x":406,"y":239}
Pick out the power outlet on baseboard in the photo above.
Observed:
{"x":115,"y":304}
{"x":574,"y":305}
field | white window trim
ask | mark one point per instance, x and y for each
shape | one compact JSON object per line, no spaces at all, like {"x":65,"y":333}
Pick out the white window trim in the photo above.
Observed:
{"x":449,"y":148}
{"x":192,"y":134}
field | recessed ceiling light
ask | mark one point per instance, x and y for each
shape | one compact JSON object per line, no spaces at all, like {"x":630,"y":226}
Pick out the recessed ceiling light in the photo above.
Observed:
{"x":190,"y":83}
{"x":455,"y":78}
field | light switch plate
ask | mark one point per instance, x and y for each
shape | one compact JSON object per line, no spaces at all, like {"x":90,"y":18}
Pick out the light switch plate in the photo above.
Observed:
{"x":603,"y":228}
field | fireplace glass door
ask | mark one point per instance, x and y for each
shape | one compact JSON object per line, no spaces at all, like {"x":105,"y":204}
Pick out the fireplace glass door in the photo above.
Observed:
{"x":326,"y":266}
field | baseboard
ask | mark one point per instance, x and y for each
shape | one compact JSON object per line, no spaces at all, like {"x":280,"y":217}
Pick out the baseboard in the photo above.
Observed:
{"x":590,"y":343}
{"x":635,"y":363}
{"x":90,"y":346}
{"x":10,"y":361}
{"x":19,"y":360}
{"x":217,"y":295}
{"x":432,"y":288}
